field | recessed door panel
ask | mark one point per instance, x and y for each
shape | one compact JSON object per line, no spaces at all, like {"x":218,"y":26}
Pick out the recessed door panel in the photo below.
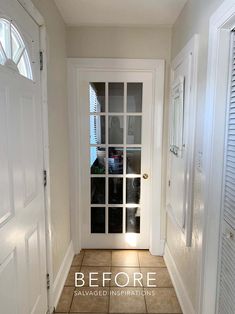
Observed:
{"x":8,"y":284}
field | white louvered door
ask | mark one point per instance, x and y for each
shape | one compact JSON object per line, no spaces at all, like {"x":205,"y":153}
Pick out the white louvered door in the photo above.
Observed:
{"x":226,"y":292}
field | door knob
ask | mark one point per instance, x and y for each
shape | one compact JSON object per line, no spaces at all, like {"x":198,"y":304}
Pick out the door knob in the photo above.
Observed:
{"x":145,"y":176}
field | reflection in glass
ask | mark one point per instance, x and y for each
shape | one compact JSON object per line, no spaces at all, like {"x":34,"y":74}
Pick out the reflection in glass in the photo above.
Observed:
{"x":116,"y":97}
{"x":133,"y":190}
{"x":134,"y":126}
{"x":116,"y":160}
{"x":133,"y":220}
{"x":97,"y":97}
{"x":133,"y":160}
{"x":97,"y":190}
{"x":115,"y":219}
{"x":134,"y":97}
{"x":115,"y":130}
{"x":97,"y":160}
{"x":97,"y":130}
{"x":115,"y":191}
{"x":97,"y":219}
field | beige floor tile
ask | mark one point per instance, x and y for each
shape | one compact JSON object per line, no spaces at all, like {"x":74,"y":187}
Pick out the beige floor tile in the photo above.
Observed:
{"x":148,"y":260}
{"x":97,"y":258}
{"x":77,"y":260}
{"x":162,"y":277}
{"x":125,"y":258}
{"x":164,"y":301}
{"x":100,"y":270}
{"x":70,"y":281}
{"x":65,"y":300}
{"x":122,"y":279}
{"x":84,"y":302}
{"x":132,"y":303}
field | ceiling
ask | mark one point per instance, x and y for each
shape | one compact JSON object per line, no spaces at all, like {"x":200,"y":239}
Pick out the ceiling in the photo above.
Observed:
{"x":120,"y":12}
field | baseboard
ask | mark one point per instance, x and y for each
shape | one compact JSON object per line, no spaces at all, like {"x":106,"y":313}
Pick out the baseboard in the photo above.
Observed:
{"x":159,"y":250}
{"x":62,"y":274}
{"x":181,"y":292}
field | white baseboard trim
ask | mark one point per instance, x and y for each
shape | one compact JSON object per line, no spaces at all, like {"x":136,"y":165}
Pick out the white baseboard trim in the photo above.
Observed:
{"x":159,"y":250}
{"x":62,"y":274}
{"x":178,"y":284}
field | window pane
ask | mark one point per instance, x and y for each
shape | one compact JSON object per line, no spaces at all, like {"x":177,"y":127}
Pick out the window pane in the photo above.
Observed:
{"x":17,"y":45}
{"x":2,"y":57}
{"x":134,"y":97}
{"x":133,"y":220}
{"x":133,"y":190}
{"x":116,"y":97}
{"x":134,"y":125}
{"x":116,"y":160}
{"x":97,"y":219}
{"x":115,"y":191}
{"x":115,"y":219}
{"x":115,"y":130}
{"x":97,"y":190}
{"x":5,"y":37}
{"x":97,"y":160}
{"x":97,"y":97}
{"x":133,"y":160}
{"x":97,"y":130}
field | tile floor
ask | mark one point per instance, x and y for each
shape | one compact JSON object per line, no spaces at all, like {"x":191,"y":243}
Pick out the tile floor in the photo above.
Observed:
{"x":161,"y":299}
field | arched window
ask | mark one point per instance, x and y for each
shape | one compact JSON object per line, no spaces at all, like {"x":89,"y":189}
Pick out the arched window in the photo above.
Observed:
{"x":13,"y":52}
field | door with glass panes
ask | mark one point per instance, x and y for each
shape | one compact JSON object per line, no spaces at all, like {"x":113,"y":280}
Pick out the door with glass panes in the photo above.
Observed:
{"x":116,"y":140}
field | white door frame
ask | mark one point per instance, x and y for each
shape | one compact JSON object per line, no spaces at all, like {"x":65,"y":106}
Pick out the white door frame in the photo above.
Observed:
{"x":39,"y":19}
{"x":156,"y":67}
{"x":221,"y":23}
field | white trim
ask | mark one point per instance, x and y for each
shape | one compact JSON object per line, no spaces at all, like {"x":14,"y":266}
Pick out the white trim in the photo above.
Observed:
{"x":191,"y":49}
{"x":178,"y":284}
{"x":62,"y":274}
{"x":157,"y":68}
{"x":221,"y":24}
{"x":32,"y":11}
{"x":39,"y":19}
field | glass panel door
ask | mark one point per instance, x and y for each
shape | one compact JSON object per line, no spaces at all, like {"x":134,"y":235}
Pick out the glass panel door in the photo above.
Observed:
{"x":115,"y":157}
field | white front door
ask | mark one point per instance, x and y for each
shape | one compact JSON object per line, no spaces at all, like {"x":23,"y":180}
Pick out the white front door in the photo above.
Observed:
{"x":22,"y":217}
{"x":116,"y":149}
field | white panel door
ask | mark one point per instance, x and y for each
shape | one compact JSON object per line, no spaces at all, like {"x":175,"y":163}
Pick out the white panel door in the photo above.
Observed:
{"x":22,"y":217}
{"x":116,"y":140}
{"x":178,"y":164}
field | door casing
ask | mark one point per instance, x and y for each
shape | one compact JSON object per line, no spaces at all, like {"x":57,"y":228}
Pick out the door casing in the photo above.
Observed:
{"x":156,"y":67}
{"x":221,"y":24}
{"x":39,"y":19}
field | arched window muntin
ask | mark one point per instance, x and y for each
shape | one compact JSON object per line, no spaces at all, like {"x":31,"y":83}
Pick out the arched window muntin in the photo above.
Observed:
{"x":13,"y":49}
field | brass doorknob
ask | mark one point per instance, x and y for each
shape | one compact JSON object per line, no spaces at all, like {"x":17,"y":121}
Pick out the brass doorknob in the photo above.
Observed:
{"x":145,"y":176}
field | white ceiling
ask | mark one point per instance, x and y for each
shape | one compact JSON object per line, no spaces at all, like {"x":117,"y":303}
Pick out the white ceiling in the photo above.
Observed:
{"x":120,"y":12}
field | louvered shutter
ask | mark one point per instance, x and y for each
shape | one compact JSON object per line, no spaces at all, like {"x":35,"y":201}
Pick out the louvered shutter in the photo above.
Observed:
{"x":226,"y":304}
{"x":93,"y":123}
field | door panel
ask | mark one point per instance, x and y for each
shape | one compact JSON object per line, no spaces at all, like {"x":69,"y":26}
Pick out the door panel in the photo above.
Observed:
{"x":116,"y":154}
{"x":22,"y":211}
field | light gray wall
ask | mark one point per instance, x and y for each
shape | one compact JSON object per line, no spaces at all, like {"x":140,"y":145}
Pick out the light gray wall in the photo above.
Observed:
{"x":58,"y":129}
{"x":126,"y":42}
{"x":193,"y":19}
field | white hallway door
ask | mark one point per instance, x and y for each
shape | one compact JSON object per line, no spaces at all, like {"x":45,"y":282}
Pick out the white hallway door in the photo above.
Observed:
{"x":116,"y":158}
{"x":22,"y":217}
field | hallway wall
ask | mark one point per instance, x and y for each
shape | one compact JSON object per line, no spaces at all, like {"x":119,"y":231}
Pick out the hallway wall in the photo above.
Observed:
{"x":193,"y":19}
{"x":58,"y":129}
{"x":126,"y":42}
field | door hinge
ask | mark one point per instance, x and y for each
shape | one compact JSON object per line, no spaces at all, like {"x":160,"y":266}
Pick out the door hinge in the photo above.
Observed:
{"x":48,"y":282}
{"x":41,"y":60}
{"x":44,"y":178}
{"x":169,"y":183}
